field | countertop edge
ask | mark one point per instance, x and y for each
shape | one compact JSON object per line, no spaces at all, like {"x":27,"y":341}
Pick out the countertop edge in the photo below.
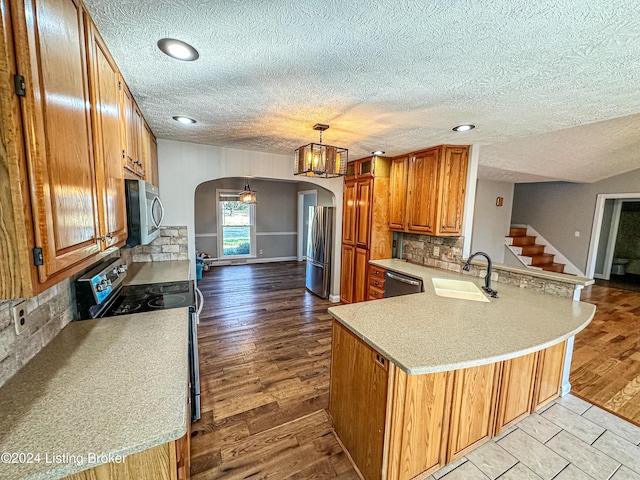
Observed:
{"x":465,"y":364}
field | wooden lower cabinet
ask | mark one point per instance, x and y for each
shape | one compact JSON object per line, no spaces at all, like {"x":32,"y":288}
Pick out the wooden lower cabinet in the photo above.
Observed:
{"x":346,"y":273}
{"x":516,"y":390}
{"x":397,"y":426}
{"x":360,"y":275}
{"x":473,"y":408}
{"x":418,"y":429}
{"x":549,"y":375}
{"x":358,"y":399}
{"x":157,"y":463}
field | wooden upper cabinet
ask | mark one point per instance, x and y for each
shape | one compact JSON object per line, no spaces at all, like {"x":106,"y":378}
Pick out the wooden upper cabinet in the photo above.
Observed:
{"x":349,"y":201}
{"x":423,"y":191}
{"x":398,"y":193}
{"x":141,"y":140}
{"x":152,"y":165}
{"x":427,"y":191}
{"x":51,"y":55}
{"x":129,"y":132}
{"x":104,"y":83}
{"x":364,"y":193}
{"x":453,"y":183}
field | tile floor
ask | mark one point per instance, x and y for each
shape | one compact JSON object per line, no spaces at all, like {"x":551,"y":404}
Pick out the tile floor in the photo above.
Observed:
{"x":570,"y":439}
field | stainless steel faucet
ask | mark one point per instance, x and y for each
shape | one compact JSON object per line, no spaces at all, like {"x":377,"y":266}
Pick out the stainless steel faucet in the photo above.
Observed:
{"x":487,"y":280}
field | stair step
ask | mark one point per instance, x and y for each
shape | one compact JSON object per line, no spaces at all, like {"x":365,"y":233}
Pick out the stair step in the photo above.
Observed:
{"x":517,"y":232}
{"x":521,"y":241}
{"x":553,"y":267}
{"x":541,"y":259}
{"x":531,"y":250}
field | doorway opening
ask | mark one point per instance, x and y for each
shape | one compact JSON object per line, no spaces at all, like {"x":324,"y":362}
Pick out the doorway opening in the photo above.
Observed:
{"x":614,"y":252}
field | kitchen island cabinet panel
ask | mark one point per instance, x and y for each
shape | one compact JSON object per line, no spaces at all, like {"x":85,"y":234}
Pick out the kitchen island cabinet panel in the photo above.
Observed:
{"x":51,"y":55}
{"x":549,"y":375}
{"x":516,"y":390}
{"x":473,"y":408}
{"x":419,"y":424}
{"x":358,"y":399}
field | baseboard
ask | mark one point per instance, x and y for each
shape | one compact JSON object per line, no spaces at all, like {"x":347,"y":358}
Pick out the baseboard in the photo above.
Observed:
{"x":566,"y":388}
{"x":334,"y":298}
{"x":243,"y":261}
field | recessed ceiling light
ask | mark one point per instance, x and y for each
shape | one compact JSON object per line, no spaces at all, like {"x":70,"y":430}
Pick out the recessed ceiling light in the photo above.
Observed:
{"x":465,"y":127}
{"x":378,"y":152}
{"x":178,"y":49}
{"x":185,"y":120}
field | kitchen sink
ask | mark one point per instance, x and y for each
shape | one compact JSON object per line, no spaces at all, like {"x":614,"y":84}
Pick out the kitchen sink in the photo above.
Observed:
{"x":458,"y":289}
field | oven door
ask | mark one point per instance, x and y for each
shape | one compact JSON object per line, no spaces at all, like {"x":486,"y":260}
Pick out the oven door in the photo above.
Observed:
{"x":194,"y":366}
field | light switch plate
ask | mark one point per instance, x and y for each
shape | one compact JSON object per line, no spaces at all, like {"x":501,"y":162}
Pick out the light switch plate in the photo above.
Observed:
{"x":20,"y":316}
{"x":436,"y":251}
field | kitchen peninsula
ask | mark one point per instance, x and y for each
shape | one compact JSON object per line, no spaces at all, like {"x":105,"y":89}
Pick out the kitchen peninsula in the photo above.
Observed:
{"x":420,"y":380}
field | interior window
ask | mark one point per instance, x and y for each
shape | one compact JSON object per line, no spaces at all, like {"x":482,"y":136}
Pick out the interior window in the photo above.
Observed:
{"x":236,"y":226}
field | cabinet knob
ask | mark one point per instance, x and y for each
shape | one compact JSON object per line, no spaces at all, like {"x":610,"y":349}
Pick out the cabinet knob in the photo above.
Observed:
{"x":376,"y":282}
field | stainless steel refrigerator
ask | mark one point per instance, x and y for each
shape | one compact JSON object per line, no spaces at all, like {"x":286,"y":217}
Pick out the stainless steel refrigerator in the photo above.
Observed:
{"x":320,"y":250}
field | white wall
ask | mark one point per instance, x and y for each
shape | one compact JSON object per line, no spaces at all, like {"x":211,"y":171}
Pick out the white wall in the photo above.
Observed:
{"x":491,"y":223}
{"x":183,"y":166}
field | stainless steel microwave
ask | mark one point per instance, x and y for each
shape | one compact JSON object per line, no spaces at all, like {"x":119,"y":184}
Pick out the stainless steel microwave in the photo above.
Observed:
{"x":145,"y":212}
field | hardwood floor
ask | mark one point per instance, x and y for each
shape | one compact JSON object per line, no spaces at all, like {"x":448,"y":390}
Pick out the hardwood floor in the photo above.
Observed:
{"x":606,"y":361}
{"x":264,"y":344}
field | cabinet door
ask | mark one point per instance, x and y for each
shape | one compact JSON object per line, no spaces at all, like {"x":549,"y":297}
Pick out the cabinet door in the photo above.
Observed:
{"x":516,"y":390}
{"x":548,"y":375}
{"x":360,"y":277}
{"x":346,"y":274}
{"x":358,"y":399}
{"x":419,"y":416}
{"x":364,"y":195}
{"x":453,"y":175}
{"x":472,"y":411}
{"x":128,"y":131}
{"x":140,"y":137}
{"x":398,"y":193}
{"x":103,"y":79}
{"x":50,"y":51}
{"x":153,"y":161}
{"x":422,"y":200}
{"x":349,"y":212}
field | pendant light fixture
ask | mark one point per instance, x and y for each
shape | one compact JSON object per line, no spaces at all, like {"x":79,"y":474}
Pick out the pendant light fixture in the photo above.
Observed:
{"x":247,"y":195}
{"x":319,"y":160}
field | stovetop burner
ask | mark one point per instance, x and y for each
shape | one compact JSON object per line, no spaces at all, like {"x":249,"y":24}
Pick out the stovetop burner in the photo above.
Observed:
{"x":167,"y":301}
{"x":128,"y":307}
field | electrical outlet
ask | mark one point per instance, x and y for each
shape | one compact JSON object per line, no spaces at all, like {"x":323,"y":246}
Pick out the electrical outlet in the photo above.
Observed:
{"x":576,"y":233}
{"x":450,"y":253}
{"x":260,"y":252}
{"x":436,"y":251}
{"x":20,"y":316}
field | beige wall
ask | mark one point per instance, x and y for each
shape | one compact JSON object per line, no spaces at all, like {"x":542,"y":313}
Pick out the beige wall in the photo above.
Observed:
{"x":490,"y":222}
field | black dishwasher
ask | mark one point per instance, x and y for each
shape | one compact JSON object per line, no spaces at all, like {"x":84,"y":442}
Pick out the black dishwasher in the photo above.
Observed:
{"x":397,"y":284}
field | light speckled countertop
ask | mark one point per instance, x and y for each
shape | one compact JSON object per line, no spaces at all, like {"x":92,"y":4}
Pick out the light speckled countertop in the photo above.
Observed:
{"x":142,"y":273}
{"x":115,"y":385}
{"x":425,"y":333}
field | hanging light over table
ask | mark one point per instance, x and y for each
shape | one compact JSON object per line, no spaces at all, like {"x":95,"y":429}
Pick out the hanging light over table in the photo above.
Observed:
{"x":318,"y":160}
{"x":247,"y":195}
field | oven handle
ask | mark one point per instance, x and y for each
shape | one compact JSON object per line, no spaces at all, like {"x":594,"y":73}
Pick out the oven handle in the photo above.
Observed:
{"x":199,"y":303}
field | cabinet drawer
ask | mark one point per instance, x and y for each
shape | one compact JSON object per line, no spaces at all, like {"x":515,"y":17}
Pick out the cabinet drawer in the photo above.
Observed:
{"x":376,"y":282}
{"x":375,"y":293}
{"x":377,"y":272}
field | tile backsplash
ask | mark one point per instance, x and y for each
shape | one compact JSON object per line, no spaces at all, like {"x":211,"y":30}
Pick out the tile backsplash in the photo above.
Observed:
{"x":446,"y":253}
{"x":47,"y":314}
{"x":172,"y":244}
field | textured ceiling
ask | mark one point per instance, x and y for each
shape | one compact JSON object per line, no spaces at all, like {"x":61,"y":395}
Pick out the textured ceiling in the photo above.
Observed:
{"x":546,"y":82}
